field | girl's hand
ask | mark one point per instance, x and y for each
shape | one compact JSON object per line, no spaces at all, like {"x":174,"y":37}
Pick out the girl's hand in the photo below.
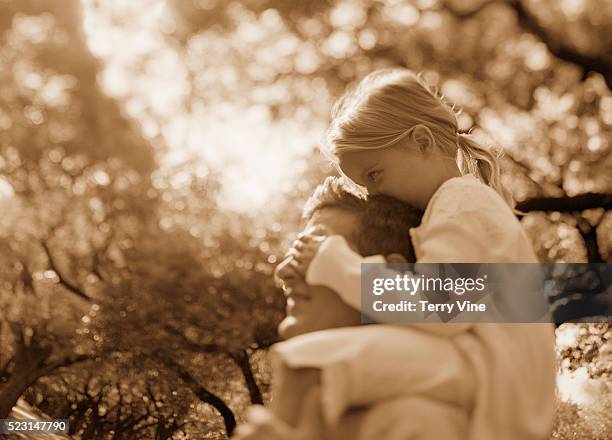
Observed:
{"x":263,"y":425}
{"x":305,"y":247}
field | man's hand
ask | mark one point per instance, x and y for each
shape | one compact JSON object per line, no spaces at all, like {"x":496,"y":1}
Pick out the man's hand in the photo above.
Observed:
{"x":262,"y":424}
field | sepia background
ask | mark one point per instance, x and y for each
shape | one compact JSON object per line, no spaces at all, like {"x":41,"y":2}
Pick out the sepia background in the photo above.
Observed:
{"x":155,"y":155}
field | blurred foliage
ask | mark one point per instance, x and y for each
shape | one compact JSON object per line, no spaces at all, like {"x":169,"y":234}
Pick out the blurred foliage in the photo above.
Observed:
{"x":125,"y":128}
{"x":573,"y":422}
{"x":592,"y":348}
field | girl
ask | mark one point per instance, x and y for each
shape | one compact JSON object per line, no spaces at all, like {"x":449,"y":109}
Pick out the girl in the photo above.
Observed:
{"x":394,"y":136}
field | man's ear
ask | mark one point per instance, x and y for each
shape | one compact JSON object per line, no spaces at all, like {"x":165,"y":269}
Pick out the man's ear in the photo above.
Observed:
{"x":396,"y":258}
{"x":422,"y":137}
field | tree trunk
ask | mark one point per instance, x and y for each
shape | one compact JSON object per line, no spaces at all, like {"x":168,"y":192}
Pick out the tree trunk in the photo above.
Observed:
{"x":12,"y":390}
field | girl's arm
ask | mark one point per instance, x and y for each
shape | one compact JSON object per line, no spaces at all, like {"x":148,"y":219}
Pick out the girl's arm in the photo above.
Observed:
{"x":295,"y":413}
{"x":336,"y":266}
{"x":264,"y":424}
{"x":289,"y":387}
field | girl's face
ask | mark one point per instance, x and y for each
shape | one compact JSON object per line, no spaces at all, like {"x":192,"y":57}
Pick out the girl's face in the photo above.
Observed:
{"x":402,"y":172}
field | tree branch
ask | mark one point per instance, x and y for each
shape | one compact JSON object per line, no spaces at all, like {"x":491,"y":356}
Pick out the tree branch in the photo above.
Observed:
{"x":98,"y":253}
{"x":567,"y":203}
{"x":588,"y":233}
{"x":242,"y":360}
{"x":4,"y":370}
{"x":239,"y":357}
{"x":194,"y":346}
{"x":202,"y":393}
{"x":588,"y":63}
{"x":62,"y":279}
{"x":66,"y":362}
{"x":575,"y":205}
{"x":466,"y":14}
{"x":530,"y":23}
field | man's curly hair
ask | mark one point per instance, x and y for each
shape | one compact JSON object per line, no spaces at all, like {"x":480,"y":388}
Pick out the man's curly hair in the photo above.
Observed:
{"x":384,"y":222}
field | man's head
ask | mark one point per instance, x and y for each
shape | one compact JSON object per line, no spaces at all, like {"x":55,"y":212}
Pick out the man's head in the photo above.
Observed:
{"x":378,"y":225}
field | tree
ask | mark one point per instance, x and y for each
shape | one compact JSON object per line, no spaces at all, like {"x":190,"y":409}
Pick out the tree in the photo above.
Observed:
{"x":116,"y":254}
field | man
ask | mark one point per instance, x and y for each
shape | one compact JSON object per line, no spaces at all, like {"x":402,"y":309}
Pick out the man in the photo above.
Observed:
{"x":376,"y":226}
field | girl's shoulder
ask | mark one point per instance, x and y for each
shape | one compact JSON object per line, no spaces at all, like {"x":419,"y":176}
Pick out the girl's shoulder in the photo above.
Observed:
{"x":466,"y":194}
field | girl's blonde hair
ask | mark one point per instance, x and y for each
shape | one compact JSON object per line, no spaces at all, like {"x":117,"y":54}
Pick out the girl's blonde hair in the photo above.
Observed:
{"x":385,"y":108}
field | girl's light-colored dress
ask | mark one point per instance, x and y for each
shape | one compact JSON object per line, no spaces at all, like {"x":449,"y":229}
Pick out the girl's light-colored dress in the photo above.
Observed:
{"x":499,"y":378}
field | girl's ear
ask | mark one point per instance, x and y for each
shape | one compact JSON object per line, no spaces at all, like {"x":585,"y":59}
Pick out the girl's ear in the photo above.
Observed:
{"x":422,"y":136}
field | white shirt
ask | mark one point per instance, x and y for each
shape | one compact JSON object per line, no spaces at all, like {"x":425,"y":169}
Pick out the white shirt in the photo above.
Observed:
{"x":468,"y":222}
